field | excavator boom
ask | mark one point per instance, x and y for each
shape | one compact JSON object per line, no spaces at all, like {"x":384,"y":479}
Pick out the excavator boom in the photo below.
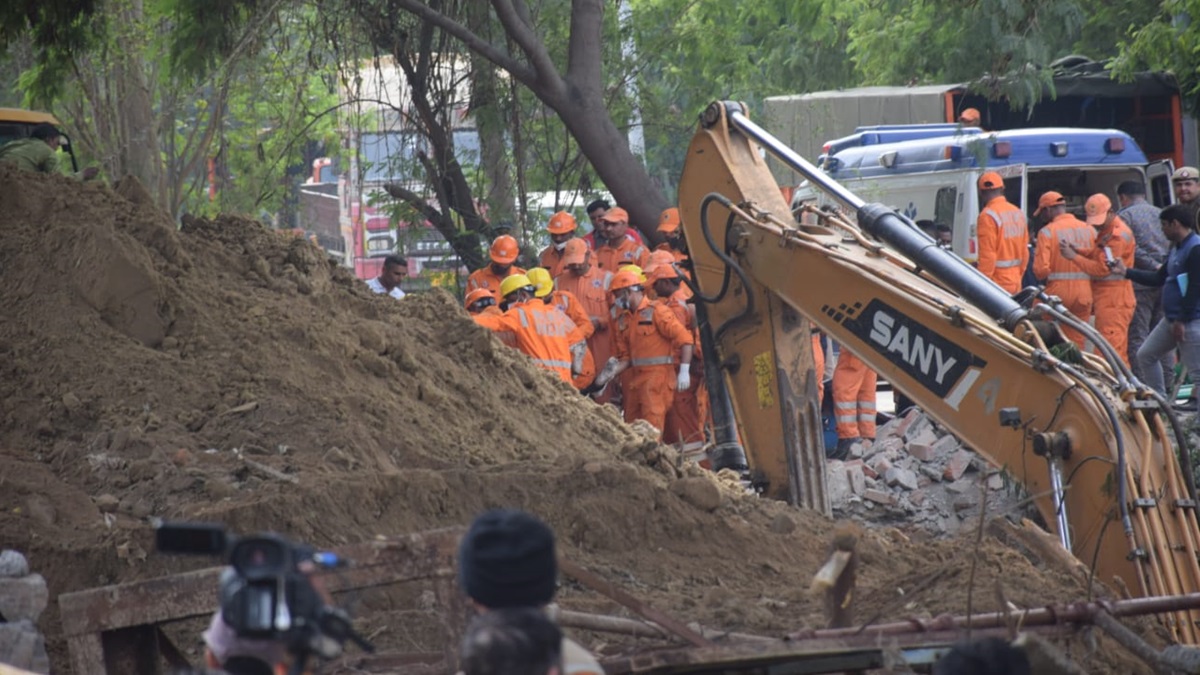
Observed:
{"x":1091,"y":445}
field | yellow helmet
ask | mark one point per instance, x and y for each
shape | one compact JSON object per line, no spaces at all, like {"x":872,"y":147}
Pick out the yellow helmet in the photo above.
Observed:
{"x":637,"y":272}
{"x":540,"y":276}
{"x":513,"y":283}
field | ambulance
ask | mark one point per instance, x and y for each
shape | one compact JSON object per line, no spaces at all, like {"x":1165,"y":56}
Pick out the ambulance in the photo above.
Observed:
{"x":929,"y":172}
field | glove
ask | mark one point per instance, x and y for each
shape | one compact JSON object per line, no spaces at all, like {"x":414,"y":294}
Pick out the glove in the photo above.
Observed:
{"x":578,"y":351}
{"x":684,"y":381}
{"x":609,"y":370}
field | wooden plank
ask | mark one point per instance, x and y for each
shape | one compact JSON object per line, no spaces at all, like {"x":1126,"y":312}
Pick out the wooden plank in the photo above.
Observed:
{"x":171,"y":653}
{"x":87,"y":654}
{"x":422,"y":555}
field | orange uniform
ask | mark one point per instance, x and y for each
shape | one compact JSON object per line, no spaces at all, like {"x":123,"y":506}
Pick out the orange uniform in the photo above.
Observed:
{"x":484,"y":277}
{"x":591,"y":290}
{"x":1113,"y":300}
{"x":552,"y":259}
{"x":626,"y":252}
{"x":688,"y":414}
{"x":1063,"y":277}
{"x":649,"y":337}
{"x":854,"y":397}
{"x":573,"y":308}
{"x":542,"y":332}
{"x":1003,"y":243}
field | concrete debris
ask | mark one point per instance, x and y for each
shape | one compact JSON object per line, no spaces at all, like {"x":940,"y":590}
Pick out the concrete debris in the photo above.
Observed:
{"x":919,"y":477}
{"x":23,"y":598}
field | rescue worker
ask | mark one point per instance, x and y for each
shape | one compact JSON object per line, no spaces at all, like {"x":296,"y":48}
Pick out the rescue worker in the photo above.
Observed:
{"x":589,"y":285}
{"x":648,"y":337}
{"x":1179,"y":278}
{"x":1063,"y":277}
{"x":619,"y":248}
{"x":853,"y":402}
{"x":1151,"y":252}
{"x":541,"y":332}
{"x":1003,"y":235}
{"x":688,"y":414}
{"x":561,"y":228}
{"x":583,"y":365}
{"x":1112,"y":293}
{"x":596,"y":209}
{"x":503,"y":253}
{"x":481,"y":301}
{"x":669,"y":226}
{"x":39,"y":152}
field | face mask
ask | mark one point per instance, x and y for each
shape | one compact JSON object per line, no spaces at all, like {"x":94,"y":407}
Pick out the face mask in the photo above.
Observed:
{"x":560,"y":246}
{"x":623,"y":303}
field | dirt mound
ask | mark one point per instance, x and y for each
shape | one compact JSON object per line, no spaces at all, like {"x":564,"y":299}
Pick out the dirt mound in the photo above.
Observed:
{"x":139,"y":365}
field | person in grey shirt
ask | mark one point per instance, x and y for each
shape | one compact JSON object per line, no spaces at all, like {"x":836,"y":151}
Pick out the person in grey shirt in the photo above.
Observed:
{"x":1149,"y":254}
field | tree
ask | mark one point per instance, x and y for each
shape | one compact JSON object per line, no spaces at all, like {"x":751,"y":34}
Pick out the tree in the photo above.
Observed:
{"x":1170,"y":40}
{"x":576,"y":93}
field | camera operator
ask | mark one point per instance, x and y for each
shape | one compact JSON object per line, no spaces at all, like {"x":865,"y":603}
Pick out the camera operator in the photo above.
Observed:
{"x":507,"y":560}
{"x":226,"y":652}
{"x":521,"y":641}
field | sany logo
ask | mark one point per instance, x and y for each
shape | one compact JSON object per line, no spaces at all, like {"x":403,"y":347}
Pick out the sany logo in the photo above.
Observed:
{"x":937,"y":363}
{"x":913,"y":350}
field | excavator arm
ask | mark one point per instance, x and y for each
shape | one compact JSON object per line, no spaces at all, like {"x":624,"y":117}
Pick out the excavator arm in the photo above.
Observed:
{"x":1091,"y":445}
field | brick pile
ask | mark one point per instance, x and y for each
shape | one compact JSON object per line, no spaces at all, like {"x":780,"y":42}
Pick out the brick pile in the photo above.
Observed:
{"x":916,"y":475}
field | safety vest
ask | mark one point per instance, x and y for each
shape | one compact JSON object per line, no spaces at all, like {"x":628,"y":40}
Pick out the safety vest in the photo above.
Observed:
{"x":1172,"y":297}
{"x":1011,"y":223}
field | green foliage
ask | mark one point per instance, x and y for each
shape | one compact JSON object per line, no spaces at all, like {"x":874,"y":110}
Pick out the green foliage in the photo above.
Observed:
{"x":1169,"y":41}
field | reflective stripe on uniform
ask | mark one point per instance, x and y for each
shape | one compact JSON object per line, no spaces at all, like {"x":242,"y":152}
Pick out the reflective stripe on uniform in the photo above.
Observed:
{"x":1005,"y":264}
{"x":524,"y":319}
{"x":1112,"y":277}
{"x":1062,"y":276}
{"x":553,"y":363}
{"x":653,"y":361}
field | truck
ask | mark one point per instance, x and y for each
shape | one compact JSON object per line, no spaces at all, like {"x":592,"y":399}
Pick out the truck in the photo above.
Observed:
{"x":17,"y":123}
{"x":930,"y":171}
{"x":1083,"y":95}
{"x":1103,"y":457}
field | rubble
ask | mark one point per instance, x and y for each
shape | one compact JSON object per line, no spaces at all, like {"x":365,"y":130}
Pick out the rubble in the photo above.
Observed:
{"x":918,"y":476}
{"x":23,"y":598}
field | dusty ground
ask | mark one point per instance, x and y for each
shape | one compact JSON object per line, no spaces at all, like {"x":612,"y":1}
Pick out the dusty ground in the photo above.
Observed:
{"x":137,"y":361}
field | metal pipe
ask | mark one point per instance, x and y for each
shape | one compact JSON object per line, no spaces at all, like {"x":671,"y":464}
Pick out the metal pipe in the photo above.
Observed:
{"x":727,"y":451}
{"x":1082,"y":612}
{"x":1060,"y":502}
{"x":892,"y":228}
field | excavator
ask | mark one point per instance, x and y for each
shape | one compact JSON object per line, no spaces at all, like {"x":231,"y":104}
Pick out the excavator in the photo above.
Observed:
{"x":1095,"y":449}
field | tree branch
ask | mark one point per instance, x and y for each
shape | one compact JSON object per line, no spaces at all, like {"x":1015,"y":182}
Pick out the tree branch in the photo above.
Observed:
{"x":470,"y":39}
{"x":583,"y":47}
{"x":514,"y":15}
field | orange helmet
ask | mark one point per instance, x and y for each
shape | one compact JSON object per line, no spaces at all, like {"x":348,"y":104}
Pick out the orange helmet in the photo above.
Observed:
{"x":624,"y":279}
{"x":669,"y":220}
{"x":477,"y":295}
{"x":504,"y":250}
{"x":663,"y":272}
{"x":658,"y":257}
{"x":561,"y":223}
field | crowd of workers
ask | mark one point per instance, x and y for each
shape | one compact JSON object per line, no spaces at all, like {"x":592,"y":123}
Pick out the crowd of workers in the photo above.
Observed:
{"x":611,"y":317}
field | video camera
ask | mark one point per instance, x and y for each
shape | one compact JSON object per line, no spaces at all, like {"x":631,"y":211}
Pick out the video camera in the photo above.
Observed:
{"x":264,"y":594}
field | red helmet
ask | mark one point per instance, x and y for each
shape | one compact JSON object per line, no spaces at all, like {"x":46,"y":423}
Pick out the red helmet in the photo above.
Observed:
{"x":624,"y":279}
{"x":561,"y":223}
{"x":504,"y":250}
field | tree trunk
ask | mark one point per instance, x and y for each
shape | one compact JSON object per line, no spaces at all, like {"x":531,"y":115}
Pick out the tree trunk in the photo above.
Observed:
{"x":139,"y":149}
{"x":487,"y":110}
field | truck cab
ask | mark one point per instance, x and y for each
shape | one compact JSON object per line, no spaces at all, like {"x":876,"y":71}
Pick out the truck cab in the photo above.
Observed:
{"x":930,"y":171}
{"x":17,"y":123}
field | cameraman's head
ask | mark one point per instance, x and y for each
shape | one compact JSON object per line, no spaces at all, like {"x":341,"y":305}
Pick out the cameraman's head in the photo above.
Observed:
{"x":507,"y":559}
{"x":519,"y":641}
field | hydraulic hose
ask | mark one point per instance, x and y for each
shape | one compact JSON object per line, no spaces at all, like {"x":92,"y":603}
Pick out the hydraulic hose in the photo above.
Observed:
{"x":730,"y":263}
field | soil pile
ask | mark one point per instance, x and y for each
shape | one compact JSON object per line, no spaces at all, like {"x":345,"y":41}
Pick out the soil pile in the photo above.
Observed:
{"x":139,"y":365}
